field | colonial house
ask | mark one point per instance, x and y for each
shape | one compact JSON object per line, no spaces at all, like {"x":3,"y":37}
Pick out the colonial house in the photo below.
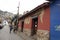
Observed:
{"x":36,"y":23}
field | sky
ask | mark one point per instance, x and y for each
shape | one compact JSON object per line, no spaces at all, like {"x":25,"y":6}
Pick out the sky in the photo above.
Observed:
{"x":25,"y":5}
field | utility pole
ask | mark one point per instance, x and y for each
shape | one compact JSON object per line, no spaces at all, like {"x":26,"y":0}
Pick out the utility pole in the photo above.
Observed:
{"x":17,"y":15}
{"x":18,"y":9}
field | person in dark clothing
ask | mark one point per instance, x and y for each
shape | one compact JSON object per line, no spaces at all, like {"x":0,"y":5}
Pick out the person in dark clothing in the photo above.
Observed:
{"x":14,"y":29}
{"x":10,"y":27}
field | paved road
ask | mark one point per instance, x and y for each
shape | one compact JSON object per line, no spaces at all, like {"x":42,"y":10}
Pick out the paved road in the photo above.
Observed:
{"x":5,"y":35}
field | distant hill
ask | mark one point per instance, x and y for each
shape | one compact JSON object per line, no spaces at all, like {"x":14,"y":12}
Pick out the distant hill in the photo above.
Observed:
{"x":6,"y":15}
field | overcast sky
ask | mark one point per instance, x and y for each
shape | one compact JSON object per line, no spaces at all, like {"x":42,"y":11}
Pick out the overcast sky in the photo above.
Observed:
{"x":11,"y":5}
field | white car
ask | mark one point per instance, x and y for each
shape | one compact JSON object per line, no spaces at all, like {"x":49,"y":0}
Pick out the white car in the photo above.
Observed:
{"x":5,"y":23}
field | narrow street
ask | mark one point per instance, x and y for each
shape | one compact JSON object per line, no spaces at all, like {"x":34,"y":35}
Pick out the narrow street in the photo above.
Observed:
{"x":5,"y":35}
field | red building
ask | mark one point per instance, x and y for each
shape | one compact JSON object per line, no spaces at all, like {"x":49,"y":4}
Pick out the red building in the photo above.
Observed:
{"x":36,"y":23}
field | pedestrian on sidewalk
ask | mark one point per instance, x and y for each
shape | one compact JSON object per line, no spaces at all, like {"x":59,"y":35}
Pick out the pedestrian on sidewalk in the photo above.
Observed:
{"x":10,"y":27}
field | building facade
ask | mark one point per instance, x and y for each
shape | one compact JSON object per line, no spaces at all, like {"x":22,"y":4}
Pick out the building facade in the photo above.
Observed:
{"x":36,"y":23}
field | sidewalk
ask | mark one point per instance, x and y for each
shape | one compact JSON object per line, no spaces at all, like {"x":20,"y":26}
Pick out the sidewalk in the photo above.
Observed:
{"x":24,"y":37}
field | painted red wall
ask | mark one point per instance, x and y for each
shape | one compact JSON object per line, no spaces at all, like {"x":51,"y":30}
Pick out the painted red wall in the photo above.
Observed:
{"x":45,"y":25}
{"x":28,"y":26}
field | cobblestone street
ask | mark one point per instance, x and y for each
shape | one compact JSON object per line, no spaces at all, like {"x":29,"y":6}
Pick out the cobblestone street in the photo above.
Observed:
{"x":5,"y":35}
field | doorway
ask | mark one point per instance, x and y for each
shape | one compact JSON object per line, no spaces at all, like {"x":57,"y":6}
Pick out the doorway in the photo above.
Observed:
{"x":34,"y":26}
{"x":22,"y":26}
